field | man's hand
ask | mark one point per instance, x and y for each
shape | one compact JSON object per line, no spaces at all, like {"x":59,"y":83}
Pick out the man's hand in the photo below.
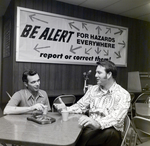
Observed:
{"x":60,"y":106}
{"x":38,"y":106}
{"x":86,"y":121}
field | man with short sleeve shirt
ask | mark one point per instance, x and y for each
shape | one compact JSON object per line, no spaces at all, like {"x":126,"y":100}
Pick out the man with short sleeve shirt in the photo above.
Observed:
{"x":30,"y":99}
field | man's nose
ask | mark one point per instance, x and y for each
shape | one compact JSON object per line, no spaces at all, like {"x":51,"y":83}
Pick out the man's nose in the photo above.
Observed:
{"x":95,"y":74}
{"x":37,"y":83}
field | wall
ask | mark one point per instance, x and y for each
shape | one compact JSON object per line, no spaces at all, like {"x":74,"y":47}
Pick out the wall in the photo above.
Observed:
{"x":7,"y":61}
{"x":57,"y":78}
{"x":0,"y":53}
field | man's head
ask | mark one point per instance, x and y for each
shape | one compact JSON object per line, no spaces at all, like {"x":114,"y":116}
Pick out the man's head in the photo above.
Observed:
{"x":106,"y":71}
{"x":31,"y":80}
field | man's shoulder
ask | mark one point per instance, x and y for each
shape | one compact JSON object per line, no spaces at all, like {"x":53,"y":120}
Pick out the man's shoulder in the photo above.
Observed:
{"x":20,"y":91}
{"x":92,"y":87}
{"x":119,"y":86}
{"x":43,"y":92}
{"x":121,"y":90}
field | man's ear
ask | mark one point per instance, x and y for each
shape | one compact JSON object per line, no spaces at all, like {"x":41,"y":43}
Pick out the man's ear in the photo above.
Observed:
{"x":25,"y":84}
{"x":109,"y":75}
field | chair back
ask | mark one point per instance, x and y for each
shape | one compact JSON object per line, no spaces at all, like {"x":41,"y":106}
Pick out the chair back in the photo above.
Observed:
{"x":126,"y":129}
{"x":142,"y":124}
{"x":8,"y":94}
{"x":67,"y":99}
{"x":142,"y":98}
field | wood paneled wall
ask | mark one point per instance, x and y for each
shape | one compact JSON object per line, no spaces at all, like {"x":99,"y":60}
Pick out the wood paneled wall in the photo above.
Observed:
{"x":61,"y":78}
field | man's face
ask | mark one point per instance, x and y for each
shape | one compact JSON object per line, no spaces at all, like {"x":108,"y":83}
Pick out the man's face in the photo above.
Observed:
{"x":101,"y":75}
{"x":33,"y":82}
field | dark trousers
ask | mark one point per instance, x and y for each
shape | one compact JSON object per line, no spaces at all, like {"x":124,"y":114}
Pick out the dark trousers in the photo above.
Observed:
{"x":98,"y":137}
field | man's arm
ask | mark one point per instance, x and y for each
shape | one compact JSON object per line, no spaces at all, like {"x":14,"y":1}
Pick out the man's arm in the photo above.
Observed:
{"x":86,"y":121}
{"x":19,"y":110}
{"x":79,"y":107}
{"x":60,"y":106}
{"x":16,"y":110}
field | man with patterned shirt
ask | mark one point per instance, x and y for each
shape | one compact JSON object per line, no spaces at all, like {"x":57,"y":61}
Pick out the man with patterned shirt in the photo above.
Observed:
{"x":107,"y":104}
{"x":28,"y":100}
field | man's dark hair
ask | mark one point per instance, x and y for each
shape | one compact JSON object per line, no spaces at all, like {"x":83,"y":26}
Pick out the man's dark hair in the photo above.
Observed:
{"x":109,"y":67}
{"x":26,"y":73}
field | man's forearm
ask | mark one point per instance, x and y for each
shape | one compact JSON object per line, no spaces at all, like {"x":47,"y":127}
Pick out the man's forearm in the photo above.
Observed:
{"x":16,"y":110}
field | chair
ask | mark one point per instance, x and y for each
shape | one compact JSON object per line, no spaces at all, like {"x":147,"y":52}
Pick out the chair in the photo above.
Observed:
{"x":130,"y":111}
{"x":8,"y":94}
{"x":126,"y":129}
{"x":142,"y":98}
{"x":67,"y":99}
{"x":142,"y":126}
{"x":129,"y":135}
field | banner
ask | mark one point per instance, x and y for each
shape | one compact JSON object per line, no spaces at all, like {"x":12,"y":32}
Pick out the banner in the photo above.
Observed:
{"x":49,"y":38}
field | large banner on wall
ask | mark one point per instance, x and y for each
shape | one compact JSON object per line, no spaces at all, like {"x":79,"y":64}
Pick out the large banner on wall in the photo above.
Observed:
{"x":49,"y":38}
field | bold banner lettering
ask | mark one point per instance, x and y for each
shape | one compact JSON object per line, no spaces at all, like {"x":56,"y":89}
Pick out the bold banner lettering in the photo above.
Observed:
{"x":49,"y":38}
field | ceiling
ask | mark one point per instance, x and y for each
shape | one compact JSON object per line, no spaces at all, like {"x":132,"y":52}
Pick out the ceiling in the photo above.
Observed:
{"x":138,"y":9}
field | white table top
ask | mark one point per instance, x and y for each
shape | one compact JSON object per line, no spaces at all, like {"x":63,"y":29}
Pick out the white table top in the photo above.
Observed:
{"x":18,"y":130}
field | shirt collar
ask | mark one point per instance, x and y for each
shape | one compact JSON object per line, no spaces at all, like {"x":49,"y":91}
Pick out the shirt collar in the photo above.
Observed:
{"x":110,"y":89}
{"x":29,"y":95}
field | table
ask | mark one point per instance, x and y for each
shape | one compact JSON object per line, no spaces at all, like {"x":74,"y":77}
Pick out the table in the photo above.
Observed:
{"x":142,"y":109}
{"x":17,"y":129}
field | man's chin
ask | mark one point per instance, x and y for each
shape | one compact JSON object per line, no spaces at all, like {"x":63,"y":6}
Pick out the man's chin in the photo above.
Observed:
{"x":99,"y":83}
{"x":36,"y":90}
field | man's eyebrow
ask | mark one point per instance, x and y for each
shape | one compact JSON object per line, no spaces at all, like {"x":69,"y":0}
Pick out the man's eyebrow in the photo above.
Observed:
{"x":33,"y":81}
